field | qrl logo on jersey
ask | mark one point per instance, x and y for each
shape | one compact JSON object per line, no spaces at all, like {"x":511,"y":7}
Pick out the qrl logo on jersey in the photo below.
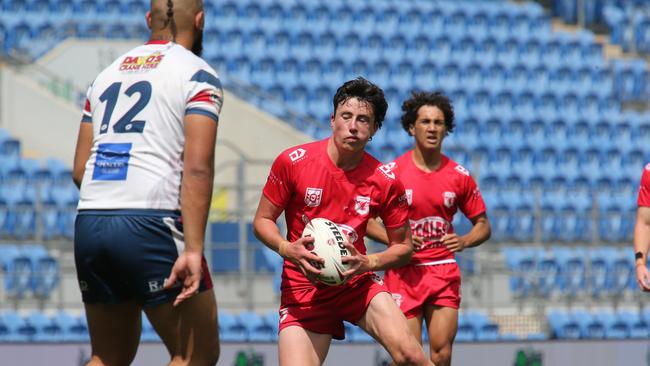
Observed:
{"x":450,"y":199}
{"x":409,"y":196}
{"x":387,"y":169}
{"x":362,"y":205}
{"x":313,"y":196}
{"x":297,"y":154}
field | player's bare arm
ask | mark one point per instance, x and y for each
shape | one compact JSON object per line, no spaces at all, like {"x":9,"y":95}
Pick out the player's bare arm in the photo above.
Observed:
{"x":82,"y":152}
{"x":267,"y":231}
{"x":397,"y":254}
{"x":479,"y":233}
{"x":642,"y":245}
{"x":196,"y":195}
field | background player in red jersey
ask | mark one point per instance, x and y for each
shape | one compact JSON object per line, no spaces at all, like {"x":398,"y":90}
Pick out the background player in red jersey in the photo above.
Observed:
{"x":336,"y":179}
{"x":436,"y":187}
{"x":642,"y":232}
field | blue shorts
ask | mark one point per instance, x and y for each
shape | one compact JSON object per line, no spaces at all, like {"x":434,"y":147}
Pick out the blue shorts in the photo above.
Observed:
{"x":127,"y":254}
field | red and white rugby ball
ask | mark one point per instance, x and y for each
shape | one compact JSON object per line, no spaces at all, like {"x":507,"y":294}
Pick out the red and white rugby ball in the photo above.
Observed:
{"x":329,"y":244}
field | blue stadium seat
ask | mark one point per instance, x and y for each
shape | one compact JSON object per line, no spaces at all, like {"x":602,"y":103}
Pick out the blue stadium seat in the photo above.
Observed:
{"x":466,"y":331}
{"x":15,"y":326}
{"x":562,"y":325}
{"x":548,"y":273}
{"x":148,"y":333}
{"x":75,"y":329}
{"x":230,"y":329}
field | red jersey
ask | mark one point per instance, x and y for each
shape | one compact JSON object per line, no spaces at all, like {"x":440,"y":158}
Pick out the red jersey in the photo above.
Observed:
{"x":306,"y":184}
{"x":433,"y":200}
{"x":644,"y":189}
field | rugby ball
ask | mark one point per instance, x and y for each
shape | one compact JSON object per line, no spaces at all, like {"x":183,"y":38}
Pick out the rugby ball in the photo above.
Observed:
{"x":329,"y":244}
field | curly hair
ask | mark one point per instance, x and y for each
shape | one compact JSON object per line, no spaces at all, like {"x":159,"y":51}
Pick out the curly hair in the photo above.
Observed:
{"x":366,"y":91}
{"x":411,"y":106}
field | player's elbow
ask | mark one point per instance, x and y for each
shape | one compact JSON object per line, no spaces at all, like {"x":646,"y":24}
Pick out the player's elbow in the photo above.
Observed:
{"x":202,"y":172}
{"x":77,"y":176}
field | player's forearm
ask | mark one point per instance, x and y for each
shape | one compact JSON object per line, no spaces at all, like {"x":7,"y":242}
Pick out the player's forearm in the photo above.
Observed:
{"x":196,"y":195}
{"x":479,"y":233}
{"x":397,"y":255}
{"x":267,"y":231}
{"x":376,"y":231}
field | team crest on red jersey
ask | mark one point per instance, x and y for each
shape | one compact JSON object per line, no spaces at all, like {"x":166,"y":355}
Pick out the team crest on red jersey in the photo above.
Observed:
{"x":450,"y":199}
{"x":313,"y":196}
{"x":362,"y":205}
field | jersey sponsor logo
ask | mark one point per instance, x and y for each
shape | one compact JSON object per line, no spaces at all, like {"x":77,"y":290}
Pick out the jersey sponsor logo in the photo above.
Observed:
{"x":449,"y":199}
{"x":387,"y":169}
{"x":409,"y":196}
{"x":349,"y":232}
{"x":313,"y":196}
{"x":362,"y":205}
{"x":112,"y":161}
{"x":297,"y":154}
{"x":431,"y":229}
{"x":462,"y":170}
{"x":141,"y":63}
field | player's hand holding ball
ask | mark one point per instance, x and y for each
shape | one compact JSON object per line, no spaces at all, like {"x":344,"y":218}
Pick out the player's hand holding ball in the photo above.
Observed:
{"x":300,"y":253}
{"x":328,"y":248}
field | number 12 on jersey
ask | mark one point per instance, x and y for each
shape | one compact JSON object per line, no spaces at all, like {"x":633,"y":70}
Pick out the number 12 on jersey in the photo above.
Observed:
{"x":126,"y":123}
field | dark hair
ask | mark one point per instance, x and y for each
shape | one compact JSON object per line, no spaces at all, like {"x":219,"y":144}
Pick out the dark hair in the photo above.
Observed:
{"x":411,"y":106}
{"x":366,"y":91}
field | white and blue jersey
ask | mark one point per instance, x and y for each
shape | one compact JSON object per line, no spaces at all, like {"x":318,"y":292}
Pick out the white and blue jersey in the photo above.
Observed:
{"x":137,"y":107}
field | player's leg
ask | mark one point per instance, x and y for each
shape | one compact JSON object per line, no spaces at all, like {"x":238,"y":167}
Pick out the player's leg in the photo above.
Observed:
{"x":114,"y":332}
{"x":415,"y":325}
{"x":190,"y":330}
{"x":442,"y":324}
{"x":301,"y":347}
{"x":384,"y":321}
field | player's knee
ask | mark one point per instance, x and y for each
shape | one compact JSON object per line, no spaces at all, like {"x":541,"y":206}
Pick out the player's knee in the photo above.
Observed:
{"x":441,"y":356}
{"x":409,"y":355}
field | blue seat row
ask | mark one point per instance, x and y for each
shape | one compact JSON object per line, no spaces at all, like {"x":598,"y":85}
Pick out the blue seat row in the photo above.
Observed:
{"x":28,"y":269}
{"x":569,"y":271}
{"x":599,"y":324}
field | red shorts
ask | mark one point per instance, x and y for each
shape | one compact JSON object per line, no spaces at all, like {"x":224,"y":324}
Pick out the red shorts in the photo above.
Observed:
{"x":415,"y":286}
{"x":323,"y":309}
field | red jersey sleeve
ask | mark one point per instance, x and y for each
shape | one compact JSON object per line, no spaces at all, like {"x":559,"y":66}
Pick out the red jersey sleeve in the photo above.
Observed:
{"x":394,"y":212}
{"x":644,"y":189}
{"x":471,"y":203}
{"x":279,"y":186}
